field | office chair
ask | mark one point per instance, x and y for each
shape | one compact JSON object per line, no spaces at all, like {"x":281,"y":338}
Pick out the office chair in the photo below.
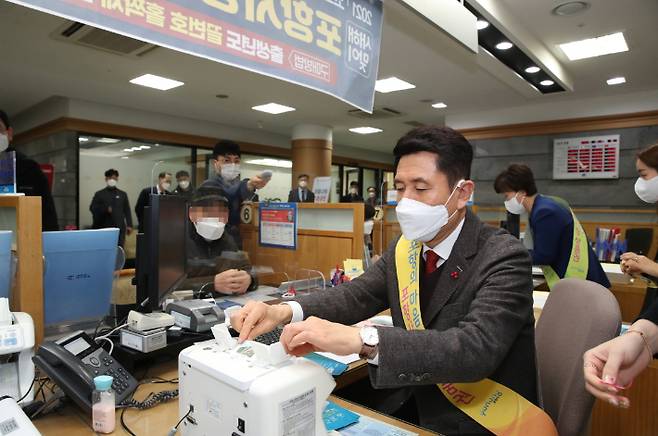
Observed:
{"x":577,"y":316}
{"x":638,"y":240}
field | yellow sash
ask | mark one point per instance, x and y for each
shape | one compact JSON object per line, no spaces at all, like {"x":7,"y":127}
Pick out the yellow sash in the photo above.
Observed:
{"x":579,"y":257}
{"x":495,"y":407}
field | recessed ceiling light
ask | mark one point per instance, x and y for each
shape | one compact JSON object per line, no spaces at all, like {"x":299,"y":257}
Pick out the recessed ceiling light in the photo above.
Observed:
{"x":616,"y":81}
{"x":570,"y":8}
{"x":532,"y":70}
{"x":135,"y":148}
{"x":365,"y":130}
{"x":128,"y":149}
{"x":546,"y":83}
{"x":505,"y":45}
{"x":157,"y":82}
{"x":481,"y":24}
{"x":108,"y":140}
{"x":273,"y":108}
{"x":440,"y":105}
{"x":593,"y":47}
{"x":125,"y":157}
{"x":392,"y":84}
{"x":83,"y":139}
{"x":157,"y":145}
{"x":144,"y":147}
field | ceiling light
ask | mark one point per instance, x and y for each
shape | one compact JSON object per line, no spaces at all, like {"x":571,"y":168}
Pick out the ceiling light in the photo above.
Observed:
{"x":392,"y":84}
{"x":439,"y":105}
{"x":273,"y":108}
{"x":83,"y":139}
{"x":144,"y":147}
{"x":268,"y":162}
{"x":157,"y":82}
{"x":532,"y":70}
{"x":108,"y":140}
{"x":157,"y":145}
{"x":593,"y":47}
{"x":128,"y":149}
{"x":481,"y":24}
{"x":365,"y":130}
{"x":125,"y":157}
{"x":135,"y":148}
{"x":616,"y":81}
{"x":570,"y":8}
{"x":546,"y":83}
{"x":505,"y":45}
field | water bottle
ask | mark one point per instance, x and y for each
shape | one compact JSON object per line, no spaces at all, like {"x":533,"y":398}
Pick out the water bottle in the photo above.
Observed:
{"x":102,"y":400}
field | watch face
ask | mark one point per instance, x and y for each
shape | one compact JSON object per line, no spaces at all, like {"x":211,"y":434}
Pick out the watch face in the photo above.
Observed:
{"x":369,"y":335}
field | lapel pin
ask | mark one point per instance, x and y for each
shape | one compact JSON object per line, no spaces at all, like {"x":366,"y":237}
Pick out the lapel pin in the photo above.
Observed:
{"x":454,"y":275}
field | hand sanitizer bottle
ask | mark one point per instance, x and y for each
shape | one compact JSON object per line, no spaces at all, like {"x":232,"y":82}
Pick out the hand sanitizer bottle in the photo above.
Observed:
{"x":103,"y":405}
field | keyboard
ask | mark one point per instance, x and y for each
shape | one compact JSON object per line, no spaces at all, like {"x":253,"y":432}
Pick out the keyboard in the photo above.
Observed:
{"x":270,"y":337}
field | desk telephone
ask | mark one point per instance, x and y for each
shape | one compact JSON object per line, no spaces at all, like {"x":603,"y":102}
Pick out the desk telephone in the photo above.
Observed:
{"x":73,"y":361}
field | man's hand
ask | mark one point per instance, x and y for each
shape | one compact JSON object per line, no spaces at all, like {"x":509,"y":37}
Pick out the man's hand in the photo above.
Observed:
{"x":256,"y":182}
{"x":256,"y":318}
{"x":315,"y":334}
{"x":232,"y":281}
{"x":129,"y":230}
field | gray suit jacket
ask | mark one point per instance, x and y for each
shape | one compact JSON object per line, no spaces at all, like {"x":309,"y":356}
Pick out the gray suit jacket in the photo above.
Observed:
{"x":478,"y":325}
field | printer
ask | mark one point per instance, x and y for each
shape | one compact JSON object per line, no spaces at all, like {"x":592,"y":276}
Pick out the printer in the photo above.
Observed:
{"x":16,"y":351}
{"x":251,"y":389}
{"x":195,"y":315}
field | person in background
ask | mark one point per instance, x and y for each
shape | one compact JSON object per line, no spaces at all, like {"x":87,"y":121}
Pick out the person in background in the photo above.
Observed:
{"x":212,"y":254}
{"x":552,"y":225}
{"x":302,"y":194}
{"x":110,"y":207}
{"x":372,"y":199}
{"x":613,"y":365}
{"x":353,"y":196}
{"x":144,"y":199}
{"x":468,"y":286}
{"x":183,"y":180}
{"x":30,"y":180}
{"x":226,"y":163}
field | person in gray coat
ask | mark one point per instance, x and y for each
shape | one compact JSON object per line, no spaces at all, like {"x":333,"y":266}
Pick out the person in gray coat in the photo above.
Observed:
{"x":475,"y":295}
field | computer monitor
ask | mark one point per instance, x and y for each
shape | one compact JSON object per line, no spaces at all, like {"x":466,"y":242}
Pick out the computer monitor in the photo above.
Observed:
{"x":161,"y":256}
{"x":78,"y":276}
{"x":5,"y":263}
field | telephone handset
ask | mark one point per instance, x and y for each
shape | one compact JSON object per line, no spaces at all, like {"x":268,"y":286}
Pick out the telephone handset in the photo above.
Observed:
{"x":73,"y":361}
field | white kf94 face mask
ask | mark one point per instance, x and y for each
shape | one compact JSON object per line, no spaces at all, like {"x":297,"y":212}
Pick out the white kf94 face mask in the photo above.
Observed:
{"x":420,"y":221}
{"x":647,"y":190}
{"x":514,"y":206}
{"x":210,"y":229}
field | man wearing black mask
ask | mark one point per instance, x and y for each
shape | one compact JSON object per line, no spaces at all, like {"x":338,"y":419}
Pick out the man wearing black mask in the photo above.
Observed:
{"x":30,"y":180}
{"x":110,"y":207}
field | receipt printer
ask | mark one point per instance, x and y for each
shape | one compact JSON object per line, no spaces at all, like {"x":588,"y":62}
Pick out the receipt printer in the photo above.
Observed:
{"x":16,"y":351}
{"x":195,"y":315}
{"x":251,"y":389}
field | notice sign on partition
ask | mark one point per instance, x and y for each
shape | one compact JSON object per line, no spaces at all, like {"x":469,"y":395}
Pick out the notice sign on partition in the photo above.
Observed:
{"x":592,"y":157}
{"x":331,"y":46}
{"x":277,"y":225}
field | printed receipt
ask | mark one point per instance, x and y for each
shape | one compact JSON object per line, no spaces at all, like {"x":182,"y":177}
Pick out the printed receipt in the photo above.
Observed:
{"x":298,"y":415}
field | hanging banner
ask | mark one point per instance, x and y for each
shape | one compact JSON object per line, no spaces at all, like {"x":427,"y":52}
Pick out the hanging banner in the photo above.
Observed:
{"x":331,"y":46}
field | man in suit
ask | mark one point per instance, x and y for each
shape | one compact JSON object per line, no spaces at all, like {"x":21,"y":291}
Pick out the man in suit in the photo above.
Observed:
{"x":353,"y":196}
{"x":30,"y":180}
{"x":302,"y":194}
{"x":552,"y":225}
{"x":183,"y":189}
{"x":110,"y":207}
{"x":475,"y":294}
{"x":144,"y":199}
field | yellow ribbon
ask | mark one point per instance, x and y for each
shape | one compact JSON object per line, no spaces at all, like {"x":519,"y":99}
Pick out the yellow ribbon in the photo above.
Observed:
{"x":492,"y":405}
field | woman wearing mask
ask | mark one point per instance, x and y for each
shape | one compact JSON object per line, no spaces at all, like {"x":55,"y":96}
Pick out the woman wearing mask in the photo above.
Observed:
{"x":557,"y":236}
{"x":614,"y":365}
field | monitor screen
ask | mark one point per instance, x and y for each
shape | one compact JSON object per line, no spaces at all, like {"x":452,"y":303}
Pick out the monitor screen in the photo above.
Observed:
{"x":162,"y":255}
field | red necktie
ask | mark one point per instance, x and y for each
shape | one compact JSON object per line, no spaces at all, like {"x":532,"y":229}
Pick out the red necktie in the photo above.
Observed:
{"x":431,"y":259}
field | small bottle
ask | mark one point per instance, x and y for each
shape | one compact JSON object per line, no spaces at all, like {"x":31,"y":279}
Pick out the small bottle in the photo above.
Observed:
{"x":102,"y":400}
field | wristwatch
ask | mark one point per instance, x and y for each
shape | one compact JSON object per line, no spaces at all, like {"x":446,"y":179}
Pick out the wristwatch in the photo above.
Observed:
{"x":370,"y":339}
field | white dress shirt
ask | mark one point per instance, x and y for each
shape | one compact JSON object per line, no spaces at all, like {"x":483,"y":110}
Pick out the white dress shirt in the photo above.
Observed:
{"x":443,"y":249}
